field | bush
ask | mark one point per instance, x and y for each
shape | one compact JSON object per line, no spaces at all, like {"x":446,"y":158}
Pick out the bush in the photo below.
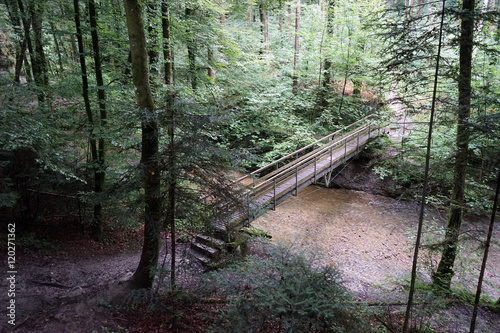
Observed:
{"x":280,"y":290}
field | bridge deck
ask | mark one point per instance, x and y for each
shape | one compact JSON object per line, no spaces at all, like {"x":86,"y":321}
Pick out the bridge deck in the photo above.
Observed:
{"x":267,"y":191}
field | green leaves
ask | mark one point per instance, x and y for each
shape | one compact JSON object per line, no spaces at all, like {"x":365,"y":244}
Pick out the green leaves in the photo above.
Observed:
{"x":282,"y":288}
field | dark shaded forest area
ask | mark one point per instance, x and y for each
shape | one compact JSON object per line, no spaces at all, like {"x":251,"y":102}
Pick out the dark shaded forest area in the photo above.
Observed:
{"x":127,"y":126}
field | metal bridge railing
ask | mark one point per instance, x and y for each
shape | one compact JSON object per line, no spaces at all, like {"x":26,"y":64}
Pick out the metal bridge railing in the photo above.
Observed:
{"x":306,"y":167}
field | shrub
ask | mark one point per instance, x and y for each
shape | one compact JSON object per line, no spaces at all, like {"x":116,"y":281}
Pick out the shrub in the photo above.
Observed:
{"x":281,"y":290}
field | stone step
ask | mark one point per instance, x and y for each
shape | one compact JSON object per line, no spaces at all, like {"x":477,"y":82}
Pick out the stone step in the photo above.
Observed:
{"x":206,"y":250}
{"x":210,"y":241}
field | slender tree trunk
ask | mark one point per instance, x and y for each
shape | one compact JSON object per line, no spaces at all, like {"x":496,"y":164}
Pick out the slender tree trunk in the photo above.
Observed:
{"x":295,"y":76}
{"x":20,"y":58}
{"x":15,"y":19}
{"x":153,"y":53}
{"x":191,"y":47}
{"x":420,"y":9}
{"x":171,"y":190}
{"x":56,"y":44}
{"x":485,"y":257}
{"x":100,"y":173}
{"x":210,"y":57}
{"x":145,"y":273}
{"x":38,"y":61}
{"x":423,"y":200}
{"x":85,"y":88}
{"x":264,"y":30}
{"x":167,"y":43}
{"x":327,"y":76}
{"x":444,"y":273}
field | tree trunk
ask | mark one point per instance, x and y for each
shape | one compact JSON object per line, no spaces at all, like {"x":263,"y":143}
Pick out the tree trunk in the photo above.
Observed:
{"x":444,"y":273}
{"x":167,"y":43}
{"x":423,"y":200}
{"x":191,"y":48}
{"x":85,"y":94}
{"x":100,"y":173}
{"x":264,"y":30}
{"x":145,"y":273}
{"x":327,"y":75}
{"x":420,"y":9}
{"x":210,"y":57}
{"x":27,"y":27}
{"x":15,"y":19}
{"x":38,"y":60}
{"x":56,"y":44}
{"x":295,"y":76}
{"x":153,"y":53}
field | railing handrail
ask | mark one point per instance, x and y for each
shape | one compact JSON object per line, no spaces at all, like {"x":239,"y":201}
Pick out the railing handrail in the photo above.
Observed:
{"x":287,"y":168}
{"x":295,"y":153}
{"x":308,"y":146}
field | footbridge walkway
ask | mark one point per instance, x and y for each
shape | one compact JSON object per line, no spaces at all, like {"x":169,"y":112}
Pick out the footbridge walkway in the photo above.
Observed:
{"x":270,"y":185}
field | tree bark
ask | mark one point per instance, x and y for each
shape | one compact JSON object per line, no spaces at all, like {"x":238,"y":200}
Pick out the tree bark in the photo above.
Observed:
{"x":210,"y":61}
{"x":56,"y":44}
{"x":145,"y":273}
{"x":167,"y":43}
{"x":423,"y":200}
{"x":327,"y":75}
{"x":295,"y":76}
{"x":100,"y":173}
{"x":15,"y":19}
{"x":153,"y":53}
{"x":264,"y":30}
{"x":191,"y":48}
{"x":27,"y":27}
{"x":38,"y":60}
{"x":444,"y":273}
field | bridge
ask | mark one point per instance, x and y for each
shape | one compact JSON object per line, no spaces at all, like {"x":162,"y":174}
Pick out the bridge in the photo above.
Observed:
{"x":265,"y":188}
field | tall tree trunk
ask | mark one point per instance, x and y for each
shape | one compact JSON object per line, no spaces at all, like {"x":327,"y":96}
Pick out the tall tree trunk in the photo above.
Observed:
{"x":100,"y":173}
{"x":210,"y":62}
{"x":167,"y":43}
{"x":423,"y":200}
{"x":15,"y":19}
{"x":153,"y":53}
{"x":327,"y":75}
{"x":485,"y":257}
{"x":444,"y":273}
{"x":295,"y":76}
{"x":420,"y":9}
{"x":38,"y":61}
{"x":191,"y":48}
{"x":145,"y":273}
{"x":27,"y":27}
{"x":85,"y":90}
{"x":56,"y":44}
{"x":264,"y":30}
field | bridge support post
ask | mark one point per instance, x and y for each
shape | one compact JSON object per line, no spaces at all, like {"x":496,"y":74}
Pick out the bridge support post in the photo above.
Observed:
{"x":315,"y":160}
{"x":274,"y":194}
{"x":248,"y":208}
{"x":357,"y":145}
{"x":345,"y":150}
{"x":296,"y":180}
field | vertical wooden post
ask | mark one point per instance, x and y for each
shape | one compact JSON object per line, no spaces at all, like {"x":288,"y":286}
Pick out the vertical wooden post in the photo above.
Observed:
{"x":315,"y":169}
{"x":274,"y":195}
{"x":345,"y":149}
{"x":357,"y":144}
{"x":297,"y":180}
{"x":248,"y":207}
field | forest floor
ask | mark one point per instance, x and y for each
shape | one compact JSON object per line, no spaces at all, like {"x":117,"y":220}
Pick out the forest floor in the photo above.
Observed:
{"x":365,"y":234}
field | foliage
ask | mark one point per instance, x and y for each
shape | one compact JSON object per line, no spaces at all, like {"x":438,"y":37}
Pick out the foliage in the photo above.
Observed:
{"x":284,"y":290}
